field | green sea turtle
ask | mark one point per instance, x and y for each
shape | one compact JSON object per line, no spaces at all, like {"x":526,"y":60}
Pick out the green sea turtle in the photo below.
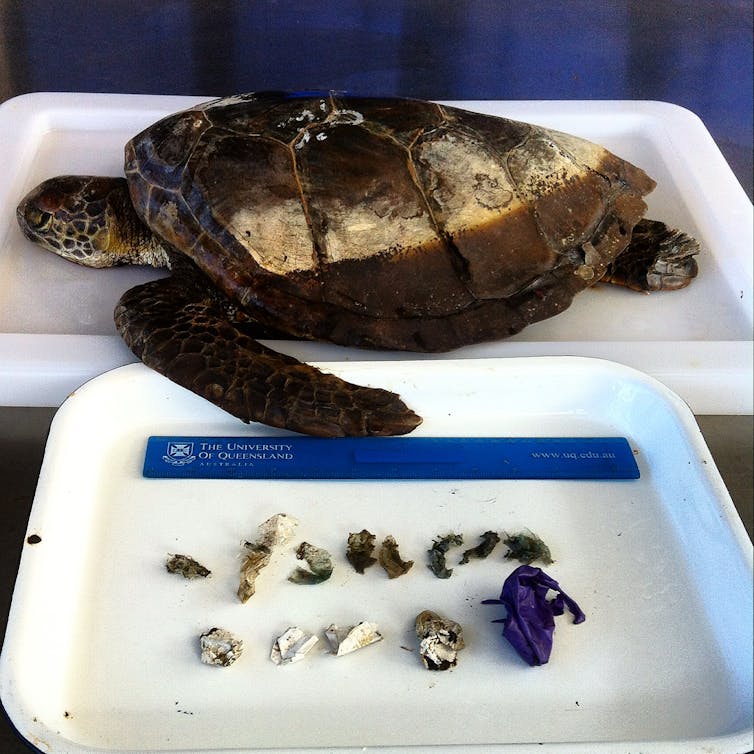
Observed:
{"x":377,"y":223}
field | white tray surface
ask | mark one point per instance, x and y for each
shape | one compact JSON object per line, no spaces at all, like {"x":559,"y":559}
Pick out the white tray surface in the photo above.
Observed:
{"x":698,"y":341}
{"x":101,"y":649}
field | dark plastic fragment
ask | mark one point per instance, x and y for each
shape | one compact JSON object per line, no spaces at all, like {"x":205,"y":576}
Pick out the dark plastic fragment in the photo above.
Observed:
{"x":526,"y":547}
{"x":360,"y":548}
{"x":437,"y":554}
{"x":390,"y":559}
{"x":483,"y":549}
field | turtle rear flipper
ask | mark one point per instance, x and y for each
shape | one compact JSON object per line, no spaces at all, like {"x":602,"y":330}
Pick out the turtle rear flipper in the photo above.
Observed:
{"x":179,"y":328}
{"x":658,"y":258}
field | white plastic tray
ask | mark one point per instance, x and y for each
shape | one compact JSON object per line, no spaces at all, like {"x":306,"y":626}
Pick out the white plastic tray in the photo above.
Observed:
{"x":101,"y":647}
{"x":56,"y":326}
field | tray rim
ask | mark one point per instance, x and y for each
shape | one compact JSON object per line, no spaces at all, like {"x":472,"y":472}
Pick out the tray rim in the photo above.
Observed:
{"x":737,"y":741}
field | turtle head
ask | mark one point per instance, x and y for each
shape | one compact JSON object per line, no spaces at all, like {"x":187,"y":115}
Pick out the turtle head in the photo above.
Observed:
{"x":78,"y":218}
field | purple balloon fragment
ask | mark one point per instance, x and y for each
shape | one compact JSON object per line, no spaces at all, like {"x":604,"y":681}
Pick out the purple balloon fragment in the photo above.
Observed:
{"x":530,"y":620}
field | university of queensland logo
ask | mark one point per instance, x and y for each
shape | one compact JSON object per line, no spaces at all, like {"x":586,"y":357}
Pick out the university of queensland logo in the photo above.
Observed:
{"x":179,"y":453}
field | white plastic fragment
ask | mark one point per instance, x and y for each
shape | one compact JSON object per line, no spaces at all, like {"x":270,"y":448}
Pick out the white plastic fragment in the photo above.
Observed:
{"x":440,"y":640}
{"x":277,"y":530}
{"x":220,"y":647}
{"x":292,"y":646}
{"x":343,"y":641}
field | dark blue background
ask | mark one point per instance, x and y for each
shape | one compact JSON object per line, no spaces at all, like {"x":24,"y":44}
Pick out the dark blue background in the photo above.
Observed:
{"x":694,"y":54}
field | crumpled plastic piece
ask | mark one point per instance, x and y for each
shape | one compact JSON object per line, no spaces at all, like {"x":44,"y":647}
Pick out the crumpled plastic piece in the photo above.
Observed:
{"x":343,"y":641}
{"x":530,"y":622}
{"x":440,"y":547}
{"x":292,"y":646}
{"x":319,"y":561}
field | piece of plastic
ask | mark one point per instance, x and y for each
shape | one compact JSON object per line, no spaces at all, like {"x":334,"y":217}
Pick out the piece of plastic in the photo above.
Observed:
{"x":530,"y":622}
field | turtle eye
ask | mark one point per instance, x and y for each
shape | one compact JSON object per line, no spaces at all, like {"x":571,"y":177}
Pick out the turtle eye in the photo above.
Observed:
{"x":39,"y":219}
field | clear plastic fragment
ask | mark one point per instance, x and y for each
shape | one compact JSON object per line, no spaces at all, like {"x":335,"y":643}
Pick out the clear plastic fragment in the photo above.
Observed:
{"x":277,"y":530}
{"x":274,"y":532}
{"x":220,"y":647}
{"x":343,"y":641}
{"x":257,"y":557}
{"x":292,"y":646}
{"x":440,"y":640}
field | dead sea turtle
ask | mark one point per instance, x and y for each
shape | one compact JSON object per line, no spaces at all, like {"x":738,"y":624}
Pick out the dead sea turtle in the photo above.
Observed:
{"x":378,"y":223}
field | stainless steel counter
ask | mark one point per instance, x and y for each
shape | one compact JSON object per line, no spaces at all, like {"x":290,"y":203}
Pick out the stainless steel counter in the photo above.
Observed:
{"x":695,"y":54}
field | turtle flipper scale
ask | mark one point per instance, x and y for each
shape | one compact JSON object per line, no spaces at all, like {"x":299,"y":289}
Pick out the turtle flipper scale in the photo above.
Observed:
{"x":180,"y":329}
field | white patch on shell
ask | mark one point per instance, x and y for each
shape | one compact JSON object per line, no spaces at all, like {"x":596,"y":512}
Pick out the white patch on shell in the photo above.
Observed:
{"x":304,"y":138}
{"x":583,"y":151}
{"x":540,"y":166}
{"x":305,"y":116}
{"x":277,"y":237}
{"x":470,"y":187}
{"x":346,"y":117}
{"x":359,"y":233}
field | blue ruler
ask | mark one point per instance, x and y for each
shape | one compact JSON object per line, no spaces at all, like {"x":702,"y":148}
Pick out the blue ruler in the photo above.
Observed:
{"x":390,"y":458}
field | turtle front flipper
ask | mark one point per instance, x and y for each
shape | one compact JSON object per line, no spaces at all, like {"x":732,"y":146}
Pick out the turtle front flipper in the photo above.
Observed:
{"x":179,"y":327}
{"x":658,"y":258}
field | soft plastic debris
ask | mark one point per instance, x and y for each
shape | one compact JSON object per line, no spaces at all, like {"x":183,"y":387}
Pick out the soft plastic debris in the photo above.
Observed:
{"x":530,"y":622}
{"x":319,"y":561}
{"x":292,"y":646}
{"x":257,"y":557}
{"x":390,"y":559}
{"x":440,"y":640}
{"x":277,"y":530}
{"x":360,"y":548}
{"x":526,"y":547}
{"x":440,"y":547}
{"x":487,"y":544}
{"x":220,"y":647}
{"x":186,"y":566}
{"x":343,"y":641}
{"x":274,"y":532}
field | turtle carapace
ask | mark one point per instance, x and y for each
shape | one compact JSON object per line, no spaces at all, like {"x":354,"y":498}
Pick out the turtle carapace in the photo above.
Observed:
{"x":376,"y":223}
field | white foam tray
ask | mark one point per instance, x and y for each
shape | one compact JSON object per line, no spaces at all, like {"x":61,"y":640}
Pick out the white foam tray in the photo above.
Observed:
{"x":101,"y":647}
{"x":56,"y":328}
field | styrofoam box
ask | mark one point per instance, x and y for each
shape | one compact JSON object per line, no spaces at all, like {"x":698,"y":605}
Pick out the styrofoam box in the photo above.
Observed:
{"x":56,"y":326}
{"x":101,"y":651}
